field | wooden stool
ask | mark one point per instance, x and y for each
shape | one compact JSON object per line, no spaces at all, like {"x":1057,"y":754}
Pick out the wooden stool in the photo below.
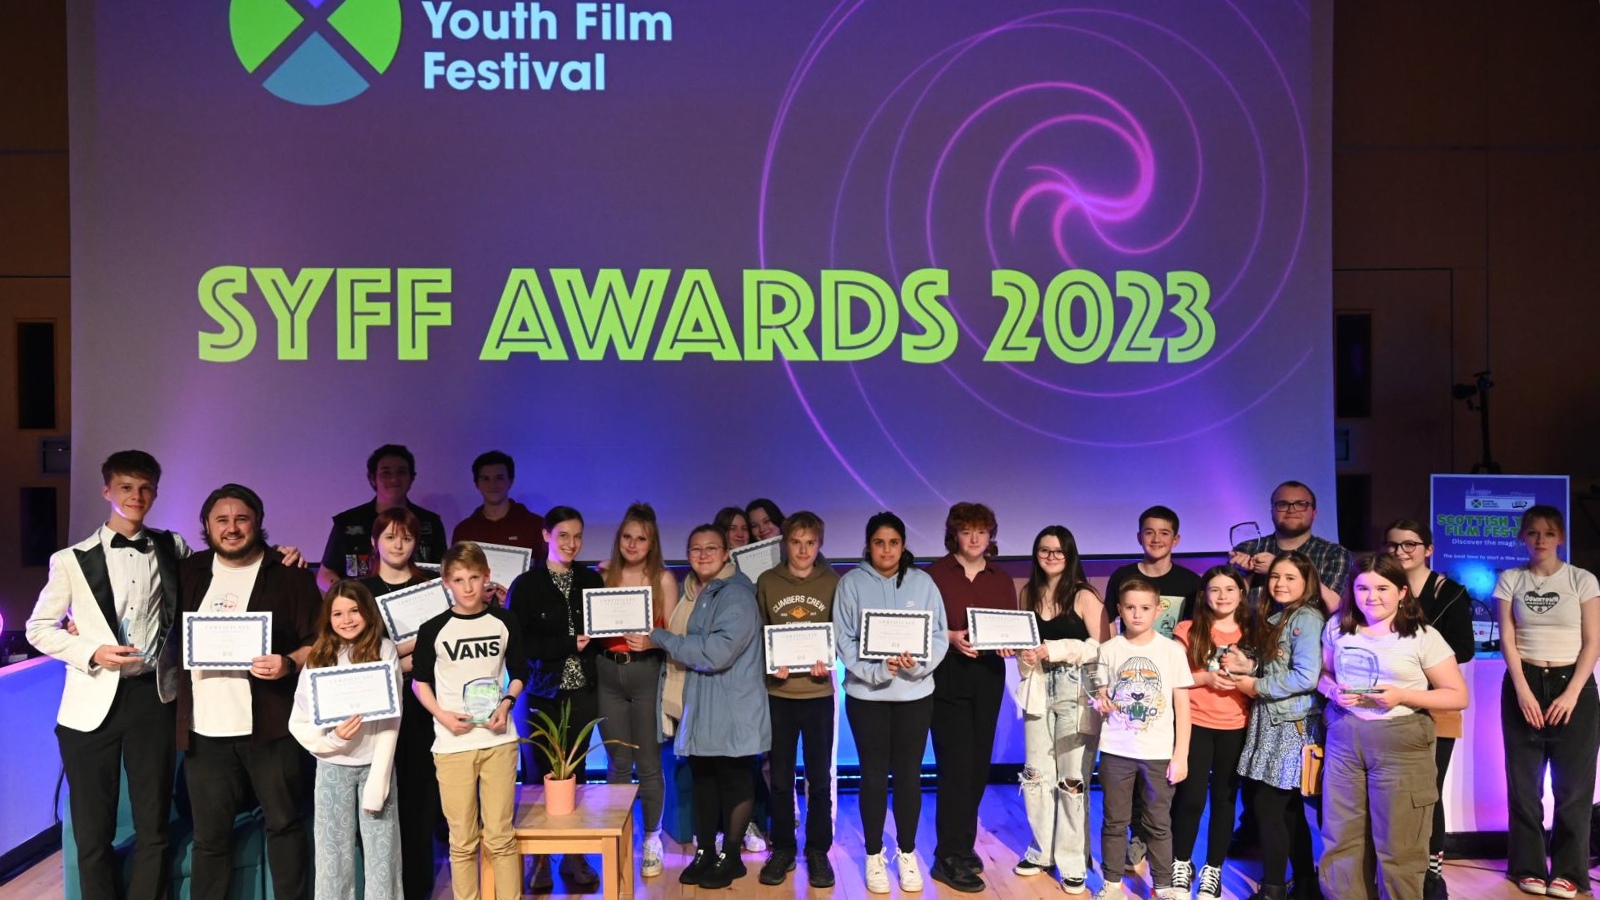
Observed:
{"x":603,"y":824}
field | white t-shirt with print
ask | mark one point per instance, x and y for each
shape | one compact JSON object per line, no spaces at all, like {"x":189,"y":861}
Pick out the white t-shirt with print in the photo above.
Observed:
{"x":1141,"y":680}
{"x":222,"y":705}
{"x":1546,"y":611}
{"x":1367,"y":661}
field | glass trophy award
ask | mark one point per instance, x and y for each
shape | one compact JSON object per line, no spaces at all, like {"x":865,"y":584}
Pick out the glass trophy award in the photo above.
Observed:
{"x":479,"y":698}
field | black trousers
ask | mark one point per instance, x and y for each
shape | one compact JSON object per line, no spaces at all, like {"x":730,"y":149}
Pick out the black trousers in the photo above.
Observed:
{"x":1213,"y":775}
{"x":1443,"y":749}
{"x":723,"y":797}
{"x":416,"y":798}
{"x":966,"y":704}
{"x":1569,"y":750}
{"x":138,"y":732}
{"x":218,"y":771}
{"x":890,"y":738}
{"x":1285,"y":836}
{"x":810,"y":721}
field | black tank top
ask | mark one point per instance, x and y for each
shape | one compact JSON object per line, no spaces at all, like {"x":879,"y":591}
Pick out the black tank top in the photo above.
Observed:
{"x":1066,"y":626}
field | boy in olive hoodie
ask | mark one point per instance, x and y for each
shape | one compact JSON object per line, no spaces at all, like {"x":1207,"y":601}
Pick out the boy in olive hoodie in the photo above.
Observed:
{"x":800,"y":591}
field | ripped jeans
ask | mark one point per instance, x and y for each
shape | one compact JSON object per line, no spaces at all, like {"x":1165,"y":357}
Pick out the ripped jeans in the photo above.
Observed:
{"x":1055,"y":776}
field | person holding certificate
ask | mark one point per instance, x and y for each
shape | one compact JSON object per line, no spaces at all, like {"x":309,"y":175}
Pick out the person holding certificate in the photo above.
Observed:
{"x":1060,"y":728}
{"x":630,"y":683}
{"x":394,"y":546}
{"x":724,"y":723}
{"x":233,"y":725}
{"x":967,"y":690}
{"x":889,"y":699}
{"x":765,"y":518}
{"x":354,"y":794}
{"x":547,"y":602}
{"x":800,"y":702}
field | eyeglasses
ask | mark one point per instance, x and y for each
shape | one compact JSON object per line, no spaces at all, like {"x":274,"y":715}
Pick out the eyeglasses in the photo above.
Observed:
{"x":1287,"y":505}
{"x":1047,"y":553}
{"x":705,"y":551}
{"x":1407,"y":547}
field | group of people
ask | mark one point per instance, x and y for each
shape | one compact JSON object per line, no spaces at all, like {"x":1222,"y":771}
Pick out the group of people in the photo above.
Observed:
{"x":1185,"y":687}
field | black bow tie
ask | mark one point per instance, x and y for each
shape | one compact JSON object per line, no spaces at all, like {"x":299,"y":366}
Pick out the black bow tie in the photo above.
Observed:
{"x":142,"y":544}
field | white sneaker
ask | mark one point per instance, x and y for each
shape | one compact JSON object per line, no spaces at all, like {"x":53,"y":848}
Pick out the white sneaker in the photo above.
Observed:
{"x":753,"y":841}
{"x":910,"y":871}
{"x":1210,"y":883}
{"x":651,"y":865}
{"x":1170,"y":893}
{"x":877,"y":874}
{"x":1112,"y":891}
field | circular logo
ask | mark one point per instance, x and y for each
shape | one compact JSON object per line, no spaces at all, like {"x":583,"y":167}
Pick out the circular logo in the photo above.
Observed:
{"x":319,"y":58}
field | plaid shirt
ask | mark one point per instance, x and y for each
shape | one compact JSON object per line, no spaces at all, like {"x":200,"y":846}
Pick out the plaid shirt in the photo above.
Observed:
{"x":1332,"y":561}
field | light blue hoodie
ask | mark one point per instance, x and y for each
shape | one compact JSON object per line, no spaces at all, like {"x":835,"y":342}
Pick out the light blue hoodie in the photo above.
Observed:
{"x":863,"y":588}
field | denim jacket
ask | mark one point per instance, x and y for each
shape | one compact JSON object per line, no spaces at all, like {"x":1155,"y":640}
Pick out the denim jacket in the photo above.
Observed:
{"x":1286,"y":688}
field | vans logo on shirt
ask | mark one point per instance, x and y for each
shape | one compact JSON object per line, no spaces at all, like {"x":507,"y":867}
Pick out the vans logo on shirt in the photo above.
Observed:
{"x":473,"y":648}
{"x":1541,"y":603}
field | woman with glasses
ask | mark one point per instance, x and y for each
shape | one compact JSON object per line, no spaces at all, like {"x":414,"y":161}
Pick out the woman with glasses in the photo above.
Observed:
{"x":1060,"y":728}
{"x":629,"y":682}
{"x":889,"y":701}
{"x":1549,"y":715}
{"x":724,"y":717}
{"x":1447,"y":608}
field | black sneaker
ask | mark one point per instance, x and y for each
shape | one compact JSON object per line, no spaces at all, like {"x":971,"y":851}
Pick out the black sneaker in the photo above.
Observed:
{"x":540,"y":880}
{"x":576,"y":871}
{"x":779,"y":864}
{"x":1433,"y":887}
{"x":974,"y":863}
{"x":729,"y":867}
{"x":697,"y":868}
{"x":952,"y":871}
{"x":819,"y":871}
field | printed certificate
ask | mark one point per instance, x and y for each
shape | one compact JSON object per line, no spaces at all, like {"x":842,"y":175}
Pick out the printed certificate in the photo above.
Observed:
{"x":798,"y":646}
{"x":891,"y":632}
{"x":225,"y":641}
{"x":611,"y":612}
{"x":753,"y":559}
{"x":1002,"y":629}
{"x":365,"y":689}
{"x":506,"y":562}
{"x":405,"y":610}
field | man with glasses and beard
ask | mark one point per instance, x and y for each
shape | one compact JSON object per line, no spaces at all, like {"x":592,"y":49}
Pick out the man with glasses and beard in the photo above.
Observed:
{"x":1294,"y":511}
{"x":233,"y":726}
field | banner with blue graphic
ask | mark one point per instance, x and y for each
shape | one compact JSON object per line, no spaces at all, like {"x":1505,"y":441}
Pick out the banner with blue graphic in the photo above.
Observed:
{"x":1475,"y":524}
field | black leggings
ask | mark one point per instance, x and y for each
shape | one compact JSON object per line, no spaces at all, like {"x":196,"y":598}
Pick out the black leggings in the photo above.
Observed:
{"x":891,"y":736}
{"x":1281,"y":816}
{"x":723,"y":797}
{"x":1213,"y":773}
{"x":1442,"y":748}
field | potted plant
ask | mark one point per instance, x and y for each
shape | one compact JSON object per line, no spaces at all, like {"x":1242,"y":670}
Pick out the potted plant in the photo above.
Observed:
{"x":565,"y":752}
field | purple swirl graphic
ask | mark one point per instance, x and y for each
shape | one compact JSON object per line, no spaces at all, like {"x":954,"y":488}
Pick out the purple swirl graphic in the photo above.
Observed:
{"x":1065,"y":138}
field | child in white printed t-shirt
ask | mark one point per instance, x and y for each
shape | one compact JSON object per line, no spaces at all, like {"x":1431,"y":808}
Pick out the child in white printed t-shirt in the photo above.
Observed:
{"x":1144,"y":739}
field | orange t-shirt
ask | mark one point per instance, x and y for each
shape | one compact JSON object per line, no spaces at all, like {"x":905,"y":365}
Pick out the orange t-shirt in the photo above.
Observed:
{"x":1209,"y":707}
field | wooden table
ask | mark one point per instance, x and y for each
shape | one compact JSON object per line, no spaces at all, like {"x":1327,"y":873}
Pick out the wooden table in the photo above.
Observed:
{"x":603,"y":824}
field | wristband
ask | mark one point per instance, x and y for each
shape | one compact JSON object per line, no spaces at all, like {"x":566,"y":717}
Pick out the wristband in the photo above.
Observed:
{"x":511,"y":697}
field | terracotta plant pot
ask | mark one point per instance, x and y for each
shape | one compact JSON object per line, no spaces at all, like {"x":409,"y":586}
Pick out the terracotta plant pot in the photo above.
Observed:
{"x":560,"y":797}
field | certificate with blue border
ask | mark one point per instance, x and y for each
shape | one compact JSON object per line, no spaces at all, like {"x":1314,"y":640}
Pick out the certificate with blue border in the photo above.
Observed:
{"x":404,"y":611}
{"x":225,"y":641}
{"x":506,"y":562}
{"x":757,"y":557}
{"x":1002,"y":629}
{"x":364,"y":689}
{"x":798,"y":646}
{"x":613,"y":612}
{"x":891,"y":632}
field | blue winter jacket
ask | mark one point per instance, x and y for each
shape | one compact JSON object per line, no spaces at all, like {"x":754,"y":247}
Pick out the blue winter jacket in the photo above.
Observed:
{"x":725,"y":693}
